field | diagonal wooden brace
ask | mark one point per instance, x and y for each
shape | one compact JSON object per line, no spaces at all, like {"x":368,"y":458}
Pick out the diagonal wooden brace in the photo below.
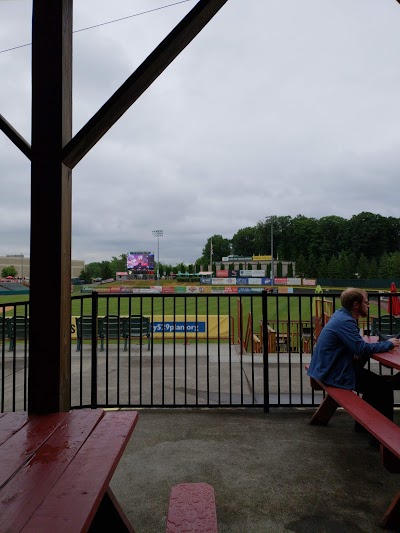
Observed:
{"x":324,"y":412}
{"x":391,"y":519}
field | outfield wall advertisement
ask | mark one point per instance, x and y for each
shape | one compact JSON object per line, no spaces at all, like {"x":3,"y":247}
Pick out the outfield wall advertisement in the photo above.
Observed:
{"x":168,"y":326}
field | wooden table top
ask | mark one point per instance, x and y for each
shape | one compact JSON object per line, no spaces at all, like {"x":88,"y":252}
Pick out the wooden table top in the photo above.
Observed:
{"x":390,"y":359}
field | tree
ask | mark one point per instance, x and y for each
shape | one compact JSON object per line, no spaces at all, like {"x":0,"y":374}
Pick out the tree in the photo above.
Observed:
{"x":312,"y":266}
{"x":368,"y":234}
{"x":9,"y":271}
{"x":85,"y":276}
{"x":181,"y":268}
{"x":362,"y":267}
{"x":221,"y":247}
{"x":91,"y":272}
{"x":384,"y":267}
{"x":328,"y":240}
{"x":394,"y":265}
{"x":301,"y":266}
{"x":106,"y":272}
{"x":243,"y":242}
{"x":333,"y":268}
{"x":373,"y":268}
{"x":118,"y":264}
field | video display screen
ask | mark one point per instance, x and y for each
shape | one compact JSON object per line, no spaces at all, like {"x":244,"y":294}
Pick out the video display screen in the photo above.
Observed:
{"x":140,"y":261}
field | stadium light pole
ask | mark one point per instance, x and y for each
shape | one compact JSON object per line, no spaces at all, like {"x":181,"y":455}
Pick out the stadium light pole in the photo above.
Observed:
{"x":158,"y":233}
{"x":272,"y":252}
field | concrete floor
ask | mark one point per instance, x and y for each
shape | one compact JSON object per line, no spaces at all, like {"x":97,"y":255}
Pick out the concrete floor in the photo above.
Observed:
{"x":271,"y":472}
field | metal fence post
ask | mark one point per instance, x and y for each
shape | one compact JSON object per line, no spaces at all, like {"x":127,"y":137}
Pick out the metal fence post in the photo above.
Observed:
{"x":95,"y":308}
{"x":265,"y":349}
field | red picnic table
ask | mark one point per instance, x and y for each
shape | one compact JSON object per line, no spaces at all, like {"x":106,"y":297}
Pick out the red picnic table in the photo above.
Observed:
{"x":55,"y":470}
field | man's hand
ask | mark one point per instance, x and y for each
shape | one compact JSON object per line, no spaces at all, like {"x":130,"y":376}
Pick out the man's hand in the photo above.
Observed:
{"x":395,"y":342}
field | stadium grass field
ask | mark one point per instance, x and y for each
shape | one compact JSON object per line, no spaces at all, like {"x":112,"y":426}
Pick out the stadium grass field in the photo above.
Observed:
{"x":279,"y":308}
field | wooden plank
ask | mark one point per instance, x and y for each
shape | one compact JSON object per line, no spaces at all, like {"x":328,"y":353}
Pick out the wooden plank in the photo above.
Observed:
{"x":21,"y":496}
{"x":110,"y":516}
{"x":22,"y":445}
{"x":391,"y":519}
{"x":15,"y":137}
{"x":10,"y":423}
{"x":390,"y":461}
{"x":141,"y":79}
{"x":324,"y":412}
{"x":383,"y":429}
{"x":85,"y":481}
{"x":388,"y":359}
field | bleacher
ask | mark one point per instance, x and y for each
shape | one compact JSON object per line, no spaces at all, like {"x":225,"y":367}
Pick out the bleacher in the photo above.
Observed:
{"x":15,"y":286}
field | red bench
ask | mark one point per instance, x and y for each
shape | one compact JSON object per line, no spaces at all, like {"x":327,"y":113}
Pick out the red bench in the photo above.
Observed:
{"x":55,"y":470}
{"x":192,"y":508}
{"x":383,"y":429}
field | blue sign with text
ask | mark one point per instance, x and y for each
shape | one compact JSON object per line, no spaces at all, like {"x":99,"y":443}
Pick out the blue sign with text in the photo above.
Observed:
{"x":179,"y":327}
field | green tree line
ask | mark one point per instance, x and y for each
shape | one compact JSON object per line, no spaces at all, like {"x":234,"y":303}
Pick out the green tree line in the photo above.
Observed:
{"x":365,"y":246}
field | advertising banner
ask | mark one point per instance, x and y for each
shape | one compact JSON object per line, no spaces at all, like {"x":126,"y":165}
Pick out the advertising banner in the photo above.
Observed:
{"x":151,"y":290}
{"x":192,"y":289}
{"x":203,"y":325}
{"x":254,"y":281}
{"x":244,"y":290}
{"x":224,"y":281}
{"x":222,"y":273}
{"x":236,"y":258}
{"x":205,"y":281}
{"x":252,"y":273}
{"x":280,"y":281}
{"x":266,"y":281}
{"x":309,"y":281}
{"x":242,"y":281}
{"x":205,"y":290}
{"x":233,"y":273}
{"x":180,"y":289}
{"x":168,"y":290}
{"x":294,"y":281}
{"x":262,"y":257}
{"x":230,"y":290}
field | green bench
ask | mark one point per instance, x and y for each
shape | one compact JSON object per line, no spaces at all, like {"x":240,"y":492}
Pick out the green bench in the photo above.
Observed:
{"x":137,"y":326}
{"x":18,"y":329}
{"x":84,"y":327}
{"x":114,"y":327}
{"x":386,"y":325}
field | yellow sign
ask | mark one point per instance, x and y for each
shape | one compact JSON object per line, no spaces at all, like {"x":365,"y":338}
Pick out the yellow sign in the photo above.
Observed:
{"x":262,"y":257}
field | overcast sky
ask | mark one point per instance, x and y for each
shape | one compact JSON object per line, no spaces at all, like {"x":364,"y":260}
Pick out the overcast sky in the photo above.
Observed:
{"x":278,"y":107}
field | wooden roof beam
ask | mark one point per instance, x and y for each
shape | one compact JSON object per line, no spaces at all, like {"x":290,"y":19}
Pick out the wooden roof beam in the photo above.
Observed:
{"x":15,"y":137}
{"x":140,"y":80}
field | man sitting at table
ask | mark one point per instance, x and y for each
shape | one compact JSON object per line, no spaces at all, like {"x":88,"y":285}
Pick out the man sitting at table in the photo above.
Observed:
{"x":340,"y":355}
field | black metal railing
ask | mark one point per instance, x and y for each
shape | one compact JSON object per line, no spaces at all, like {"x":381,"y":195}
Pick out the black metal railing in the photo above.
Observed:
{"x":185,"y":350}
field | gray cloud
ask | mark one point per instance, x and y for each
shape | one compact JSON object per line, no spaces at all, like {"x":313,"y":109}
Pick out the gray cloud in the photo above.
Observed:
{"x":280,"y":108}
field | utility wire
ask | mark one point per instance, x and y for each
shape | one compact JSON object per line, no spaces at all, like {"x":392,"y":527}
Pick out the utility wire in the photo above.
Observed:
{"x":108,"y":22}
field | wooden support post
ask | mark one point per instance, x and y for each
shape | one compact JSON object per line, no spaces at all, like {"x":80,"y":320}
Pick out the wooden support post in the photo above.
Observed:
{"x":324,"y":412}
{"x":51,"y":192}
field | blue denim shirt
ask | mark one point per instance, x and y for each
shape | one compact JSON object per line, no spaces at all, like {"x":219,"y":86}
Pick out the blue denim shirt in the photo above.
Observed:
{"x":339,"y":343}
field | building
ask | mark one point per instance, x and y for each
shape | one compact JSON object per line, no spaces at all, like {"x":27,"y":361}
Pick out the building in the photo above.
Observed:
{"x":21,"y":264}
{"x":257,"y":262}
